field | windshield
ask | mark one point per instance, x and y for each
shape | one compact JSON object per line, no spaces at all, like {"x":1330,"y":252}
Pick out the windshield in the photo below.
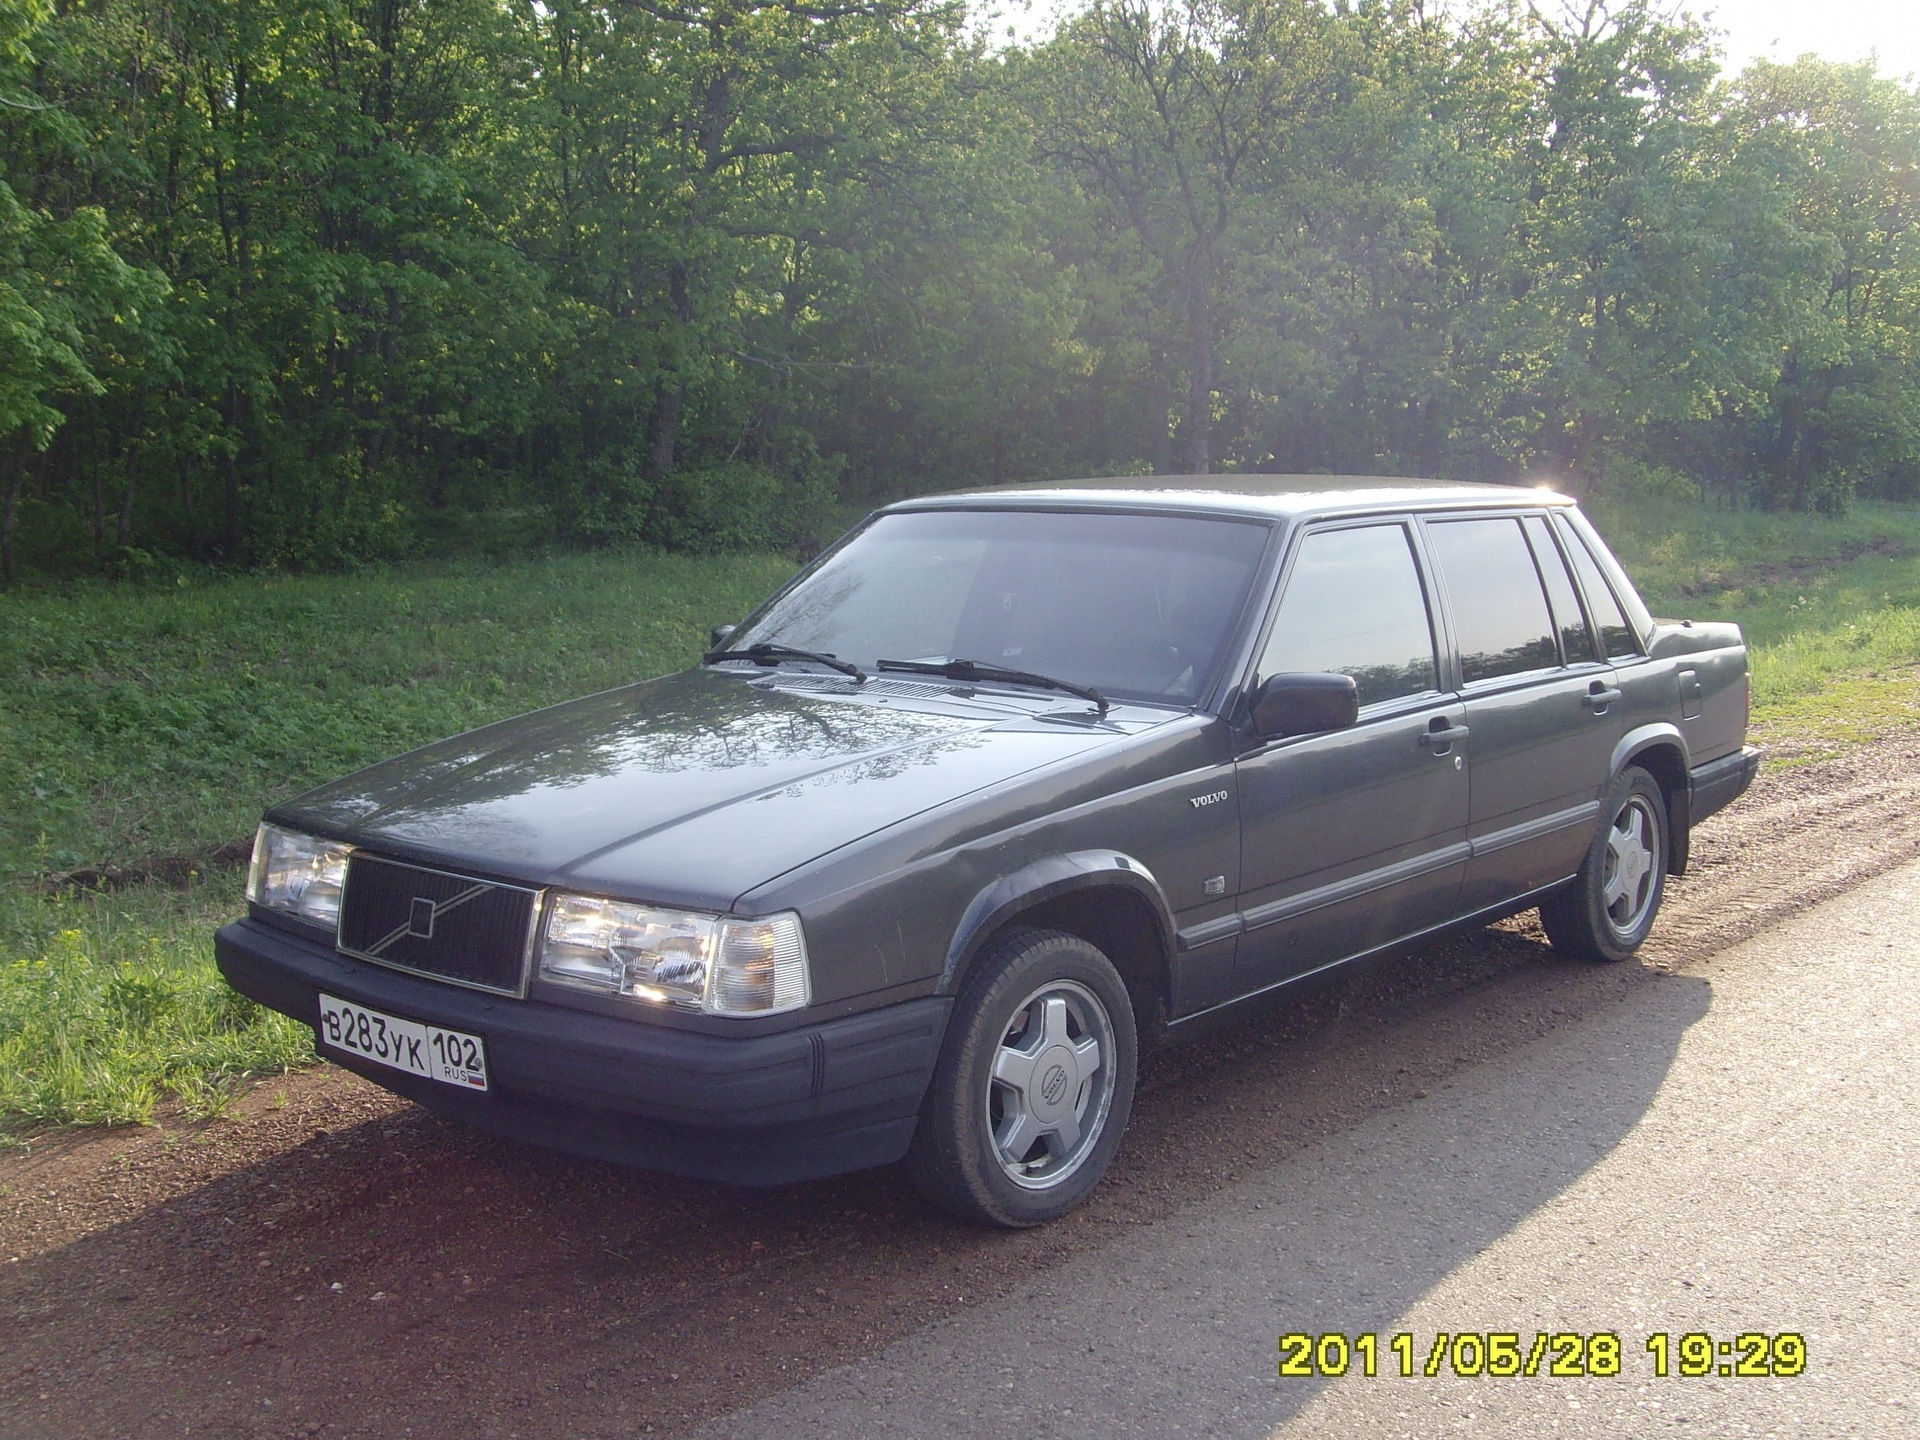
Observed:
{"x":1133,"y":605}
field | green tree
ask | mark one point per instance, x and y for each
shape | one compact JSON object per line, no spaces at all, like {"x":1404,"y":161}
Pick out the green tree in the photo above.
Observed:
{"x":68,"y":300}
{"x":1171,"y":117}
{"x":1842,"y":145}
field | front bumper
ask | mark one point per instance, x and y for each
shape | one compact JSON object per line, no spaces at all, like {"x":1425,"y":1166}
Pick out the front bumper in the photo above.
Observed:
{"x":757,"y":1110}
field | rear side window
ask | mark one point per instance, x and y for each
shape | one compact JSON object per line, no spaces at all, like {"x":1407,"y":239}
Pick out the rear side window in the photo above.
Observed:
{"x":1499,"y":611}
{"x":1615,"y":637}
{"x":1575,"y":639}
{"x":1354,"y":606}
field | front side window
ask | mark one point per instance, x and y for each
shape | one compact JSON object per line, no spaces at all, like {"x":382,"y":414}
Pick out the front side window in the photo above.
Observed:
{"x":1354,"y":606}
{"x":1137,"y":606}
{"x":1499,"y":610}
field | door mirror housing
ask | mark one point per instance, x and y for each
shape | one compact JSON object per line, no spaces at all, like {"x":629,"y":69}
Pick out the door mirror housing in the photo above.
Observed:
{"x":717,"y":638}
{"x":1304,"y":703}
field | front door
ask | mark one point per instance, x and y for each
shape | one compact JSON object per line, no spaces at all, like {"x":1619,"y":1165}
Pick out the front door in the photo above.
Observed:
{"x":1357,"y":837}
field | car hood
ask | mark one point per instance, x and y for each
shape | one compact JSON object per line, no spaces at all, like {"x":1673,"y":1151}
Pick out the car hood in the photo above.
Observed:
{"x":697,"y":787}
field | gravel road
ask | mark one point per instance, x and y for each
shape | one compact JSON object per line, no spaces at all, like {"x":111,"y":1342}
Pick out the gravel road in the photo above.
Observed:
{"x":331,"y":1261}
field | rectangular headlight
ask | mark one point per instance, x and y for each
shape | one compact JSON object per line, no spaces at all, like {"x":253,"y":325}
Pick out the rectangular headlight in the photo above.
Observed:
{"x":297,"y":874}
{"x":714,"y":963}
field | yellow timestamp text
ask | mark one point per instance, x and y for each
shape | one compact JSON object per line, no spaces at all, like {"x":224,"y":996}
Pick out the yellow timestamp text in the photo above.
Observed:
{"x":1563,"y":1354}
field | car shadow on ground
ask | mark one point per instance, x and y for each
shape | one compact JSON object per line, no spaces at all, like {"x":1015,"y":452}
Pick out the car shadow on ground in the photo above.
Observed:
{"x":1341,"y":1237}
{"x":402,"y":1274}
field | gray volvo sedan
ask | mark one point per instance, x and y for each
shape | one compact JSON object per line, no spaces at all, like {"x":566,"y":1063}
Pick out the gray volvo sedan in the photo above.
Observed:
{"x":1003,"y":787}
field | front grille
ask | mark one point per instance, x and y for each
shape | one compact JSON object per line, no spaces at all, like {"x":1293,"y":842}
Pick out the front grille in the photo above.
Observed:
{"x":451,"y":927}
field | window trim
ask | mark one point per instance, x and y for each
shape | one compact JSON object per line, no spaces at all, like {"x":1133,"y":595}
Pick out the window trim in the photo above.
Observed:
{"x":1437,"y":636}
{"x":1579,"y":596}
{"x":1493,"y":684}
{"x":1608,"y":581}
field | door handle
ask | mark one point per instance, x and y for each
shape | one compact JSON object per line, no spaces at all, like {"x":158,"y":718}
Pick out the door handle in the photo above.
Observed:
{"x":1443,"y":736}
{"x":1599,"y":699}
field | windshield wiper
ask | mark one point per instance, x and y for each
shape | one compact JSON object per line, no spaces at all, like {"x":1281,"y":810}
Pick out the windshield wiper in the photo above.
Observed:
{"x":973,"y":670}
{"x":770,"y":654}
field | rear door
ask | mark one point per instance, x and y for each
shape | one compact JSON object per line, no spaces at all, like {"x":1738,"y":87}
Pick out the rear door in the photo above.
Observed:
{"x":1356,"y":837}
{"x":1542,"y":703}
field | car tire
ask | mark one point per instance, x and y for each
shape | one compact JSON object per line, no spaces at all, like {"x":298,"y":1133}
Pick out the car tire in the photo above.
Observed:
{"x":1034,"y":1085}
{"x":1605,"y":912}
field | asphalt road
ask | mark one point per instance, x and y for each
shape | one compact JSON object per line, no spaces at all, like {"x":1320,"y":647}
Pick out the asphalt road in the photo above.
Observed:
{"x":1729,"y":1150}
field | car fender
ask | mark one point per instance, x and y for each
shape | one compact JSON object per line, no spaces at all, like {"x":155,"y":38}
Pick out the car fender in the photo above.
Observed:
{"x":1635,"y":743}
{"x":1045,"y":879}
{"x":1645,"y":737}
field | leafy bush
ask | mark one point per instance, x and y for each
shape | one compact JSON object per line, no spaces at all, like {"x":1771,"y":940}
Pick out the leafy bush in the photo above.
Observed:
{"x":1637,"y":483}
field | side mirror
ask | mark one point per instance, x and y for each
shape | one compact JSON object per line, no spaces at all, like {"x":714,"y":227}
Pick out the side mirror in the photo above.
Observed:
{"x":1304,"y":703}
{"x":718,"y":637}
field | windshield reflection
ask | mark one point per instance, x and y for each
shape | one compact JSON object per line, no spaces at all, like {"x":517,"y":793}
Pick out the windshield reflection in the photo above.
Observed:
{"x":1132,"y":605}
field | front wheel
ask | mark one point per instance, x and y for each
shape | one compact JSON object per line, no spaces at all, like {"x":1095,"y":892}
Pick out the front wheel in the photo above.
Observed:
{"x":1605,"y":912}
{"x":1034,"y":1084}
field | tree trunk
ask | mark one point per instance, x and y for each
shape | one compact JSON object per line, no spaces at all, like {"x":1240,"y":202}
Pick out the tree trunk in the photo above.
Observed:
{"x":1200,"y":358}
{"x":663,"y":428}
{"x":1586,"y":452}
{"x":15,"y":466}
{"x":123,"y":527}
{"x":1787,"y":443}
{"x":1159,"y":408}
{"x":663,"y":432}
{"x":94,"y":469}
{"x":233,"y":474}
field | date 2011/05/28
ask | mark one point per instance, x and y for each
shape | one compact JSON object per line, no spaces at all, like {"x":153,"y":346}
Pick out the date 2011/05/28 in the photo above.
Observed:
{"x":1560,"y":1354}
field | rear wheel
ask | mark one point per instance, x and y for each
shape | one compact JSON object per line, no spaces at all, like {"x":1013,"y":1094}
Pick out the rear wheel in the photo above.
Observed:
{"x":1605,"y":912}
{"x":1034,"y":1085}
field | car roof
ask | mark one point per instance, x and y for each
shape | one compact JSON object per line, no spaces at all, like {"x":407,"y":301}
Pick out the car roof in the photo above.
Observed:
{"x":1276,"y":497}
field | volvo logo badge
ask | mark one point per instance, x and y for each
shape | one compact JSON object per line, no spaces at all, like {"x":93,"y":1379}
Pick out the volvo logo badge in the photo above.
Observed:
{"x":421,"y":915}
{"x":420,"y":918}
{"x":1054,"y":1085}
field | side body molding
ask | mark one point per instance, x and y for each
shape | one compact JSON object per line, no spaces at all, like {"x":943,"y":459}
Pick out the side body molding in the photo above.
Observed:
{"x":1047,"y":879}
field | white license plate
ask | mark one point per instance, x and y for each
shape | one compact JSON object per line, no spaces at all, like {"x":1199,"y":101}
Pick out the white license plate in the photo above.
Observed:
{"x":450,"y":1056}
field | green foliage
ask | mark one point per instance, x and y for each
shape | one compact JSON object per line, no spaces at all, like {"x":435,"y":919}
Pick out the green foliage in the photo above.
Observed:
{"x":303,"y":284}
{"x":1635,"y":483}
{"x":160,"y":719}
{"x":110,"y":1006}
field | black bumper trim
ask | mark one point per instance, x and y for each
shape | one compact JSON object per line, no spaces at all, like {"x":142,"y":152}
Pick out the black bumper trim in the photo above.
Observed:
{"x":762,"y":1109}
{"x":1718,"y":783}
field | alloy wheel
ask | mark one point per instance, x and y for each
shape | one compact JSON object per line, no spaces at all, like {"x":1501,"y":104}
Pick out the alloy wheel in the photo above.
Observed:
{"x":1051,"y":1084}
{"x":1632,"y":867}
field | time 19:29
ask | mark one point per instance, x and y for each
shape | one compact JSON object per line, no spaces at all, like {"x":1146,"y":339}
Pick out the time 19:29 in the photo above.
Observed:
{"x":1750,"y":1354}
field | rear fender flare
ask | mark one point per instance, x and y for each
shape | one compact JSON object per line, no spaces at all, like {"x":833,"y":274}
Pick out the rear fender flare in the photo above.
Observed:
{"x":1642,"y":738}
{"x":1679,"y":789}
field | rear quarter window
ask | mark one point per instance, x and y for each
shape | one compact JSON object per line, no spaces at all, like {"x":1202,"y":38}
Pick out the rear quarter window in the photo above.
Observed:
{"x":1576,"y":641}
{"x":1616,"y":636}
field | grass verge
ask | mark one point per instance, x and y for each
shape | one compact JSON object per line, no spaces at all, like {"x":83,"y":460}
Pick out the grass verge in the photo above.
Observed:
{"x":1830,"y":607}
{"x":110,"y":1007}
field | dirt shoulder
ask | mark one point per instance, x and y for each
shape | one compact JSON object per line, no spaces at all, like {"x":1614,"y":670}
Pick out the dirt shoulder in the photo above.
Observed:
{"x":331,"y":1260}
